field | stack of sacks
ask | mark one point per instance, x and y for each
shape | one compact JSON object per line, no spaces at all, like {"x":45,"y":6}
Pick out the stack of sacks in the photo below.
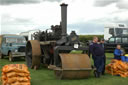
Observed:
{"x":117,"y":67}
{"x":15,"y":74}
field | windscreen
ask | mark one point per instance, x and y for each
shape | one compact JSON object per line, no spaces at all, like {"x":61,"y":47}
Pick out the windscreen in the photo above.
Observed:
{"x":125,"y":31}
{"x":121,"y":31}
{"x":15,"y":40}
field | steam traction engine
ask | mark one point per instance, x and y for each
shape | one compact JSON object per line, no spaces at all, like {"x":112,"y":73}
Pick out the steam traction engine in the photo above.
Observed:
{"x":53,"y":48}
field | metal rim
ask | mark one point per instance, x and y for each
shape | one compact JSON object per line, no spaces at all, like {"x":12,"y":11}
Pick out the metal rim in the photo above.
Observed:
{"x":59,"y":73}
{"x":33,"y":53}
{"x":29,"y":55}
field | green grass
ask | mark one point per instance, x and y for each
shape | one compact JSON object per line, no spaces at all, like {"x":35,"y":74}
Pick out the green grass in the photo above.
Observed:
{"x":44,"y":76}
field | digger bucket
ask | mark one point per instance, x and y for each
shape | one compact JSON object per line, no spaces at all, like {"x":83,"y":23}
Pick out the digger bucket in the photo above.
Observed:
{"x":74,"y":66}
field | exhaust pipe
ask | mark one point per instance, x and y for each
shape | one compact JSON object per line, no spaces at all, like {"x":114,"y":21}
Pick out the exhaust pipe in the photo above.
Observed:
{"x":64,"y":18}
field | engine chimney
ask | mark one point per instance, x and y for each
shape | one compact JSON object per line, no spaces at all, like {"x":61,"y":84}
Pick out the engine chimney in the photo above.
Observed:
{"x":64,"y":18}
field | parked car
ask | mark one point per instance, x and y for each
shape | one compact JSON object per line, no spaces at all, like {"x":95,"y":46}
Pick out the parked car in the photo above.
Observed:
{"x":12,"y":46}
{"x":111,"y":44}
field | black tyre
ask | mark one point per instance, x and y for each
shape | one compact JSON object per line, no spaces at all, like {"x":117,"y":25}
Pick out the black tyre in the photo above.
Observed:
{"x":1,"y":56}
{"x":10,"y":56}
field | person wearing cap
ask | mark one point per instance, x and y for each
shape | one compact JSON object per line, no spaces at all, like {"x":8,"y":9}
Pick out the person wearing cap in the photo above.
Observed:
{"x":102,"y":44}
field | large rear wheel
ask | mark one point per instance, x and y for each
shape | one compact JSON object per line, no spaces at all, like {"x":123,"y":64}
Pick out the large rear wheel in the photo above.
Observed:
{"x":33,"y":54}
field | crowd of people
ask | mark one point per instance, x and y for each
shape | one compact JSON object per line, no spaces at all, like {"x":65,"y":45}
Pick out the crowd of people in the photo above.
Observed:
{"x":97,"y":49}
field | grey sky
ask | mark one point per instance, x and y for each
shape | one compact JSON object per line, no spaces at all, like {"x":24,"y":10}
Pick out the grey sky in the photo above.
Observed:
{"x":119,"y":3}
{"x":10,"y":2}
{"x":84,"y":16}
{"x":104,"y":2}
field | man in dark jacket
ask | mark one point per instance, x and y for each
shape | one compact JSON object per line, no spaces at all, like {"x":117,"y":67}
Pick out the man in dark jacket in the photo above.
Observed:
{"x":102,"y":44}
{"x":97,"y":52}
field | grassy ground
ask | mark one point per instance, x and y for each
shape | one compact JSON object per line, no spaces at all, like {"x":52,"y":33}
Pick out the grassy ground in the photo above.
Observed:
{"x":44,"y":76}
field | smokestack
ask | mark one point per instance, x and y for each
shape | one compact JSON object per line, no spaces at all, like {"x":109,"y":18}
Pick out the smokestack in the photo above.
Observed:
{"x":64,"y":18}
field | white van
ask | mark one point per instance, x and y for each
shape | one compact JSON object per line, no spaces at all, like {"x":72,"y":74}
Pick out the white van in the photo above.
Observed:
{"x":115,"y":30}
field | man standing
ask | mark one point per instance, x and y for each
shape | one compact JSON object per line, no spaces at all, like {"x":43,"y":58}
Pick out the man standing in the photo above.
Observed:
{"x":102,"y":44}
{"x":98,"y":56}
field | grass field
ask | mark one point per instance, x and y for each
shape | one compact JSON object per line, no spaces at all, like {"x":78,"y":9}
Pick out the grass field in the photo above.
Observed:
{"x":44,"y":76}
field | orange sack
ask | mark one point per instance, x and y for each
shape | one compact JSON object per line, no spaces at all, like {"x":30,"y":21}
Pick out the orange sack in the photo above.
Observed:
{"x":16,"y":68}
{"x":117,"y":67}
{"x":15,"y":74}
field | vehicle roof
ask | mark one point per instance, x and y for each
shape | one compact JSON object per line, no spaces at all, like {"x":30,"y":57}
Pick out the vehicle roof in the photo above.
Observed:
{"x":11,"y":35}
{"x":116,"y":25}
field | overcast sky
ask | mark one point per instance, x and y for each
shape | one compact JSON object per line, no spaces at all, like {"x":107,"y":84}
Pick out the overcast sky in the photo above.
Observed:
{"x":84,"y":16}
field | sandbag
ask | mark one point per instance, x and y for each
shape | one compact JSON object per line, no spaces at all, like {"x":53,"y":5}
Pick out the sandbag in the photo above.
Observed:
{"x":15,"y":68}
{"x":21,"y":83}
{"x":15,"y":74}
{"x":19,"y":79}
{"x":117,"y":67}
